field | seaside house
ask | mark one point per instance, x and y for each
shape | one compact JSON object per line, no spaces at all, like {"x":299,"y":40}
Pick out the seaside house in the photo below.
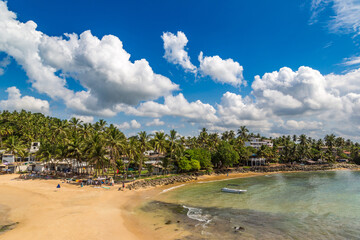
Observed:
{"x":8,"y":159}
{"x":258,"y":142}
{"x":254,"y":160}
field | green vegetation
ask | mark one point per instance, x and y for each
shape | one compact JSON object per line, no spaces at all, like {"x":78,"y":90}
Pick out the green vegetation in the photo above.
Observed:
{"x":104,"y":149}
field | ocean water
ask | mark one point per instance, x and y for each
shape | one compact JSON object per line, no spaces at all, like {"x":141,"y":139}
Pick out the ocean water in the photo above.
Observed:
{"x":312,"y":205}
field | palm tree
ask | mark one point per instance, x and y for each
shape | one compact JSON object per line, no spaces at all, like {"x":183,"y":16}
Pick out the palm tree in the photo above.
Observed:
{"x":75,"y":149}
{"x":330,"y":142}
{"x":172,"y":138}
{"x":4,"y":131}
{"x":303,"y":146}
{"x":159,"y":142}
{"x":115,"y":141}
{"x":243,"y":133}
{"x":213,"y":141}
{"x":98,"y":153}
{"x":14,"y":145}
{"x":144,"y":145}
{"x":203,"y":138}
{"x":132,"y":152}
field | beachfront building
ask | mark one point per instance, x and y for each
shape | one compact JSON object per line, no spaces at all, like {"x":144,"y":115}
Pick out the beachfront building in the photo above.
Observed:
{"x":258,"y":142}
{"x":255,"y":161}
{"x":8,"y":158}
{"x":153,"y":157}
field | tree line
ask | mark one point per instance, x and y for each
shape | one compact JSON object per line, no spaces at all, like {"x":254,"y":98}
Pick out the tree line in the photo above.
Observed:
{"x":104,"y":147}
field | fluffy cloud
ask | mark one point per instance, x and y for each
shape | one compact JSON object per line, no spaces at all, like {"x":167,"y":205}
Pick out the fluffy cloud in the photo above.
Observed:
{"x":176,"y":106}
{"x":235,"y":106}
{"x":344,"y":83}
{"x":16,"y":102}
{"x":155,"y":122}
{"x":101,"y":66}
{"x":235,"y":111}
{"x":287,"y":92}
{"x":126,"y":125}
{"x":174,"y":50}
{"x":223,"y":71}
{"x":219,"y":70}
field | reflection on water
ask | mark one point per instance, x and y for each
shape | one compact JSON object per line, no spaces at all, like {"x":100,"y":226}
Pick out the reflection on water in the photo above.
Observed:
{"x":321,"y":205}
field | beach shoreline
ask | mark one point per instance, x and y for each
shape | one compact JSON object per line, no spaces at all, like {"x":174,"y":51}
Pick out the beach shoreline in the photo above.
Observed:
{"x":72,"y":212}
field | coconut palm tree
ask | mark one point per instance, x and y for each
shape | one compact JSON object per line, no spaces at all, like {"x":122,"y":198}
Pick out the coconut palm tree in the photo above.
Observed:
{"x":97,"y":153}
{"x":4,"y":131}
{"x":131,"y":150}
{"x":303,"y":150}
{"x":144,"y":145}
{"x":173,"y":141}
{"x":203,"y":138}
{"x":159,"y":142}
{"x":243,"y":133}
{"x":330,"y":143}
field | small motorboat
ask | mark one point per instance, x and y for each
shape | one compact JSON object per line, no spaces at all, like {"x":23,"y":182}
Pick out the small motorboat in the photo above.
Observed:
{"x":232,"y":190}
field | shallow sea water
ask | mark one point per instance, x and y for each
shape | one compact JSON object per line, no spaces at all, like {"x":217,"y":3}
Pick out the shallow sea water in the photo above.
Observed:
{"x":312,"y":205}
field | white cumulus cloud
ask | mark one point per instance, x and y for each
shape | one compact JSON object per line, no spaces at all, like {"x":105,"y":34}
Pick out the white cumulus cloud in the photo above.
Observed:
{"x":133,"y":124}
{"x":176,"y":106}
{"x":223,"y":71}
{"x":175,"y":53}
{"x":286,"y":92}
{"x":17,"y":102}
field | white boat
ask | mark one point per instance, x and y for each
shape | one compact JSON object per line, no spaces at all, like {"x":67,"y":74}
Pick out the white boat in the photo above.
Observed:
{"x":231,"y":190}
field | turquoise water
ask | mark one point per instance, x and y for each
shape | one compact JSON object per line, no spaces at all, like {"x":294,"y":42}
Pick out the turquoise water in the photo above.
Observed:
{"x":313,"y":205}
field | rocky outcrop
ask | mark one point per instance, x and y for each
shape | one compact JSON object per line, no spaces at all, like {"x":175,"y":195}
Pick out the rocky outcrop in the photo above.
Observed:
{"x":160,"y":181}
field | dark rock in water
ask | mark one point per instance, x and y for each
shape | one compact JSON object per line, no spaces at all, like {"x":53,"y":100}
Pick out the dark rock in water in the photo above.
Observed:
{"x":178,"y":221}
{"x":168,"y":222}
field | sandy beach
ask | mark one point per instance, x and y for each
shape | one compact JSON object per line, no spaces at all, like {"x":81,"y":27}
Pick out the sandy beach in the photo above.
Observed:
{"x":71,"y":212}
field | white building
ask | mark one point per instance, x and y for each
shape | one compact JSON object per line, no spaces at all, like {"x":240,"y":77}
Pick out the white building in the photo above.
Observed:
{"x":35,"y":146}
{"x":257,"y":143}
{"x":8,"y":158}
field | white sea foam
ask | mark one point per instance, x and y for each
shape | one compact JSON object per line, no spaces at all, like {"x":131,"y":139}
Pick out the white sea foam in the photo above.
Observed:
{"x":172,"y":188}
{"x":196,"y":214}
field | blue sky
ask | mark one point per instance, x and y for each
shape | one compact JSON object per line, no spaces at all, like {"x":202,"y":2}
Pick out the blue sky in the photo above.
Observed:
{"x":92,"y":77}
